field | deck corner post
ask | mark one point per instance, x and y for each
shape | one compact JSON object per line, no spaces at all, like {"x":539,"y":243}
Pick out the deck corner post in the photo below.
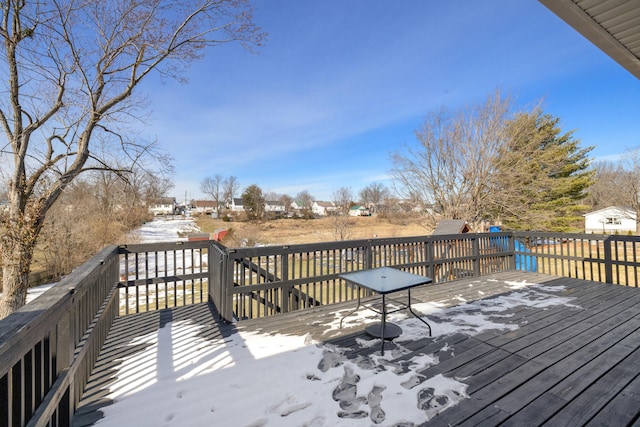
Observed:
{"x":227,"y":286}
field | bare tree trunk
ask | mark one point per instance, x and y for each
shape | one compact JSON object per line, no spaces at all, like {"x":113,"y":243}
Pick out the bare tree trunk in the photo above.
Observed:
{"x":15,"y":278}
{"x":18,"y":245}
{"x":342,"y":223}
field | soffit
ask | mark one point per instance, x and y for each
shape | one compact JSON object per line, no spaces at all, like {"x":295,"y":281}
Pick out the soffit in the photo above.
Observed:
{"x":612,"y":25}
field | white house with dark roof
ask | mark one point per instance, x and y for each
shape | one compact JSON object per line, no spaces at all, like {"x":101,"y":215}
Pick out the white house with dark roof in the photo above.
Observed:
{"x":237,"y":205}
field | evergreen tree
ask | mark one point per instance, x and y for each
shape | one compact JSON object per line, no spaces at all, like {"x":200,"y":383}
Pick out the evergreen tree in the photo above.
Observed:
{"x":542,"y":175}
{"x":253,"y":202}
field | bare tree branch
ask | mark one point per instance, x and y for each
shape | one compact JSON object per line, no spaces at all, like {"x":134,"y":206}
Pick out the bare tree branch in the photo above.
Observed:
{"x":73,"y":68}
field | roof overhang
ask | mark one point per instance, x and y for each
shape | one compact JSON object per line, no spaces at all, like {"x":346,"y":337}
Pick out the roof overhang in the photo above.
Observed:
{"x":612,"y":25}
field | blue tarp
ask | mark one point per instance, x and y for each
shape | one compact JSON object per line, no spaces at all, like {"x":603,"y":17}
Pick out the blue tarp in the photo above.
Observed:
{"x":523,"y":262}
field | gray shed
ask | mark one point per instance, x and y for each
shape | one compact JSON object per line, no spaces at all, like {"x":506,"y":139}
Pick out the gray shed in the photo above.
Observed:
{"x":451,"y":226}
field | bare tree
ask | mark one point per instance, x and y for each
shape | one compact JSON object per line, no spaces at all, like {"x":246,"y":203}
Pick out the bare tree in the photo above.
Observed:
{"x":449,"y":171}
{"x":607,"y":176}
{"x":342,"y":224}
{"x":271,"y":195}
{"x":286,"y":200}
{"x":304,"y":199}
{"x":96,"y":209}
{"x":230,"y":189}
{"x":342,"y":198}
{"x":373,"y":195}
{"x":629,"y":190}
{"x":213,"y":187}
{"x":71,"y":71}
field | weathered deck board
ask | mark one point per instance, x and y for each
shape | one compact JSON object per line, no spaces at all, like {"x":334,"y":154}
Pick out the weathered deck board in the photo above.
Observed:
{"x":573,"y":364}
{"x":575,"y":353}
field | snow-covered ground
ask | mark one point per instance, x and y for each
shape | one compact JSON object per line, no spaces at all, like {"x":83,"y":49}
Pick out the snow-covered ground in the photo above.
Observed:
{"x":254,"y":379}
{"x":165,"y":229}
{"x":161,"y":229}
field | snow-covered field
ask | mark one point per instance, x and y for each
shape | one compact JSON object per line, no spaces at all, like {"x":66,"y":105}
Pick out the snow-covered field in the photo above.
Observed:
{"x":169,"y":229}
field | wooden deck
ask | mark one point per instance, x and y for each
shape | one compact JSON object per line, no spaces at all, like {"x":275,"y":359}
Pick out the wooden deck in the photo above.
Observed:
{"x":566,"y":364}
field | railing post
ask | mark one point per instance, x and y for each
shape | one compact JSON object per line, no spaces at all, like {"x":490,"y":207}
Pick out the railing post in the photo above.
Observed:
{"x":608,"y":260}
{"x":475,"y":249}
{"x":511,"y":248}
{"x":226,"y":285}
{"x":211,"y":271}
{"x":65,"y":345}
{"x":369,"y":255}
{"x":429,"y":258}
{"x":65,"y":348}
{"x":286,"y":291}
{"x":66,"y":406}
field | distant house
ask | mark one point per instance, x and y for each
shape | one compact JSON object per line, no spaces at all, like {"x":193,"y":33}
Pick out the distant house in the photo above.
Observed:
{"x":359,"y":211}
{"x":237,"y":205}
{"x":204,"y":206}
{"x":297,"y":205}
{"x":163,"y":206}
{"x":274,"y":206}
{"x":323,"y":208}
{"x":611,"y":220}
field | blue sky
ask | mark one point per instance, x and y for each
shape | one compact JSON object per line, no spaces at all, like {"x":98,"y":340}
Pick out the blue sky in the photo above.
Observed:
{"x":340,"y":84}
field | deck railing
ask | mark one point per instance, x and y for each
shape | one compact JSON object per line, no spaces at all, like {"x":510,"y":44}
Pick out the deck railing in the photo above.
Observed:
{"x":277,"y":279}
{"x":48,"y":348}
{"x":264,"y":281}
{"x":163,"y":275}
{"x":601,"y":258}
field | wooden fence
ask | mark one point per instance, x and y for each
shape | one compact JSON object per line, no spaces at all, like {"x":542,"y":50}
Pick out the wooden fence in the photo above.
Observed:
{"x":48,"y":348}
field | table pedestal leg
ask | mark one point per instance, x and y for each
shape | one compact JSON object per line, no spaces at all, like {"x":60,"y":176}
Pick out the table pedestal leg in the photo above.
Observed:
{"x":383,"y":330}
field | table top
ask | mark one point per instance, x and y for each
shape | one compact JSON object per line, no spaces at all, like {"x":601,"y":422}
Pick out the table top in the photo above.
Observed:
{"x":384,"y":280}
